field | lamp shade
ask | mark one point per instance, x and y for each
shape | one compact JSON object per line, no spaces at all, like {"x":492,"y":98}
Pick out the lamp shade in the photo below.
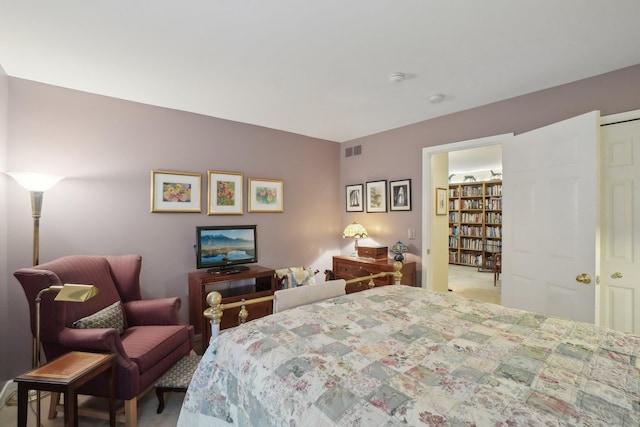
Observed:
{"x":72,"y":292}
{"x":399,"y":249}
{"x":35,"y":181}
{"x":355,"y":231}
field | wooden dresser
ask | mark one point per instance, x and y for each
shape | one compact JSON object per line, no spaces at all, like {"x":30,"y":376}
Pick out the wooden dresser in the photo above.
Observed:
{"x":350,"y":267}
{"x":254,"y":282}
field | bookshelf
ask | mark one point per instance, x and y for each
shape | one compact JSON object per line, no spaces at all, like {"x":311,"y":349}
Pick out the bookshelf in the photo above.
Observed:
{"x":475,"y":223}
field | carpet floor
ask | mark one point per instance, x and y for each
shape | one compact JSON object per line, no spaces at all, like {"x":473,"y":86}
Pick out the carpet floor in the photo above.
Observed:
{"x":147,"y":416}
{"x":468,"y":282}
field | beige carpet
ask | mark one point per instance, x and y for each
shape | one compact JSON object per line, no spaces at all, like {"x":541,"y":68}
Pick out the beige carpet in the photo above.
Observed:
{"x":146,"y":412}
{"x":469,"y":283}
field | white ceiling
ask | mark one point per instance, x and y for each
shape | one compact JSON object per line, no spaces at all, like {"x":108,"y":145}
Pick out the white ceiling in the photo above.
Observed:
{"x":316,"y":68}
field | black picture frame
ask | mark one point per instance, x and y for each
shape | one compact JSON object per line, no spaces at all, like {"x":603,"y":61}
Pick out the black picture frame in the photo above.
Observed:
{"x":354,"y":198}
{"x":376,"y":196}
{"x":400,"y":195}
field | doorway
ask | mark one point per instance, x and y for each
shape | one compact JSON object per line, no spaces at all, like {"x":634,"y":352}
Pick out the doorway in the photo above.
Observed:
{"x":435,"y":175}
{"x":474,"y":222}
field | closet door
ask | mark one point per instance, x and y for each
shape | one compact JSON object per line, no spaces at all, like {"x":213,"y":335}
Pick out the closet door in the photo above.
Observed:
{"x":620,"y":266}
{"x":550,"y":196}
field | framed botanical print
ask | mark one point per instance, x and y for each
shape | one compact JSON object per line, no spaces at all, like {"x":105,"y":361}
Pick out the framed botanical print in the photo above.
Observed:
{"x":225,"y":193}
{"x":377,"y":196}
{"x":175,"y":191}
{"x":354,"y":198}
{"x":441,"y":201}
{"x":266,"y":195}
{"x":400,"y":195}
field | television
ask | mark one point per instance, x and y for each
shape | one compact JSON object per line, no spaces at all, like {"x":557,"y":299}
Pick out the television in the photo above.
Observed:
{"x":224,"y":248}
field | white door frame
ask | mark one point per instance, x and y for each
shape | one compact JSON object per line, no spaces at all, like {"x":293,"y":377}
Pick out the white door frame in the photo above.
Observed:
{"x":427,"y":201}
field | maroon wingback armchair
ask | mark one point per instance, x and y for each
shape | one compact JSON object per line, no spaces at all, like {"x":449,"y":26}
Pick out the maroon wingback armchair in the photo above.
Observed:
{"x":153,"y":340}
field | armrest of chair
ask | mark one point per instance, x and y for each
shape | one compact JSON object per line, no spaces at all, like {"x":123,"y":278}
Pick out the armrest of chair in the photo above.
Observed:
{"x":102,"y":340}
{"x":160,"y":311}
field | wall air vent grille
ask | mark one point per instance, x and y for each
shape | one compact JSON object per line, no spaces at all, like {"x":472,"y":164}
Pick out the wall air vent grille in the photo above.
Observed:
{"x":356,"y":150}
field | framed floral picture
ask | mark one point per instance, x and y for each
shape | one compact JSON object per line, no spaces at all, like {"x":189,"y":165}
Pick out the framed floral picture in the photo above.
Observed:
{"x":354,"y":198}
{"x":377,"y":196}
{"x":176,"y":191}
{"x":225,"y":193}
{"x":400,"y":195}
{"x":266,"y":195}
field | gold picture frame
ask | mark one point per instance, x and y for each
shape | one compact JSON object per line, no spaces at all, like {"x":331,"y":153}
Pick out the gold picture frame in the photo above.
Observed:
{"x":265,"y":195}
{"x":225,"y":194}
{"x":176,"y":191}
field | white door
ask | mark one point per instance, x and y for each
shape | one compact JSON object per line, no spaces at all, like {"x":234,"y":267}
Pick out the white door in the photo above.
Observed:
{"x":620,"y":257}
{"x":550,"y":192}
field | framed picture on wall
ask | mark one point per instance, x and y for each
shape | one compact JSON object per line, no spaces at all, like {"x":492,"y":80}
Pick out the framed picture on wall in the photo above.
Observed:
{"x":225,"y":193}
{"x":266,"y":195}
{"x":175,"y":191}
{"x":377,"y":196}
{"x":441,"y":201}
{"x":400,"y":195}
{"x":354,"y":198}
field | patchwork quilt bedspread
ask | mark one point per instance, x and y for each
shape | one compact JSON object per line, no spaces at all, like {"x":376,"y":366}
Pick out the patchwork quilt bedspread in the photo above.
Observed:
{"x":398,"y":356}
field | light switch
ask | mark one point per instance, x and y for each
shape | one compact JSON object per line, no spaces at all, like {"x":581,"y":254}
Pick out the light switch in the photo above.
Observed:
{"x":411,"y":233}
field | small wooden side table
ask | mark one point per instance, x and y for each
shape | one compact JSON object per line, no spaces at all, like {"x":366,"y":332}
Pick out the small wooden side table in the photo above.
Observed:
{"x":64,"y":375}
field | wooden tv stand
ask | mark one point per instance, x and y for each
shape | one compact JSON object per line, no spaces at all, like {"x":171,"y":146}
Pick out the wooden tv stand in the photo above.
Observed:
{"x":255,"y":282}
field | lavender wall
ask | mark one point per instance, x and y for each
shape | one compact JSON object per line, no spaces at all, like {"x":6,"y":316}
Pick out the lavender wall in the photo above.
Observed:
{"x":107,"y":147}
{"x":397,"y":154}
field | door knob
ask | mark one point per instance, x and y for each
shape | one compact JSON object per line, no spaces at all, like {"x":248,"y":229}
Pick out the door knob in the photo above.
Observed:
{"x":616,"y":275}
{"x":583,"y":278}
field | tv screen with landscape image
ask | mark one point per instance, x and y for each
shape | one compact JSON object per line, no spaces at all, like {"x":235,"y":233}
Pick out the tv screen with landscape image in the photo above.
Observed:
{"x":222,"y":248}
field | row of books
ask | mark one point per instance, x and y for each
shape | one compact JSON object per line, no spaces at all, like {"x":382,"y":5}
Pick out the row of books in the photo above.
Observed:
{"x":465,"y":258}
{"x":494,"y":190}
{"x":471,"y":217}
{"x":465,"y":230}
{"x":493,"y":246}
{"x":492,"y":231}
{"x":494,"y":204}
{"x":493,"y":218}
{"x":471,"y":244}
{"x":471,"y":191}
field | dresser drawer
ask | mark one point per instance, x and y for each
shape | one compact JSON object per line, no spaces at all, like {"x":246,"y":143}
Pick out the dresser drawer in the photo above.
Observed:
{"x":347,"y":268}
{"x":351,"y":271}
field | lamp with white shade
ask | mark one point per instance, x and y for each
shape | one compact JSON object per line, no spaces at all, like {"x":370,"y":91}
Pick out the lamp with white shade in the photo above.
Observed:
{"x":355,"y":231}
{"x":37,"y":184}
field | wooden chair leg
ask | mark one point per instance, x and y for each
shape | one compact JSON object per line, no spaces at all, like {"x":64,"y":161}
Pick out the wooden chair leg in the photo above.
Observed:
{"x":53,"y":404}
{"x":131,"y":412}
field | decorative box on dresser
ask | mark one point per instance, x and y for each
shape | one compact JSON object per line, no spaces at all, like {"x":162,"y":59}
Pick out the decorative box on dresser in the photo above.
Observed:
{"x":255,"y":282}
{"x":350,"y":267}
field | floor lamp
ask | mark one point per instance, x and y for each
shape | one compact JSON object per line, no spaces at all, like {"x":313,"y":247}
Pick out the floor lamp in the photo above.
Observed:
{"x":36,"y":184}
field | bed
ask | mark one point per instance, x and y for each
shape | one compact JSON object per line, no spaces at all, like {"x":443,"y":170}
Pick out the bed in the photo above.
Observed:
{"x":399,"y":355}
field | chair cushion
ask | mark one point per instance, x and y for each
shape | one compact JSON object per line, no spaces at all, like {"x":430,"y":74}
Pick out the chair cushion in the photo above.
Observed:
{"x":148,"y":345}
{"x":108,"y":317}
